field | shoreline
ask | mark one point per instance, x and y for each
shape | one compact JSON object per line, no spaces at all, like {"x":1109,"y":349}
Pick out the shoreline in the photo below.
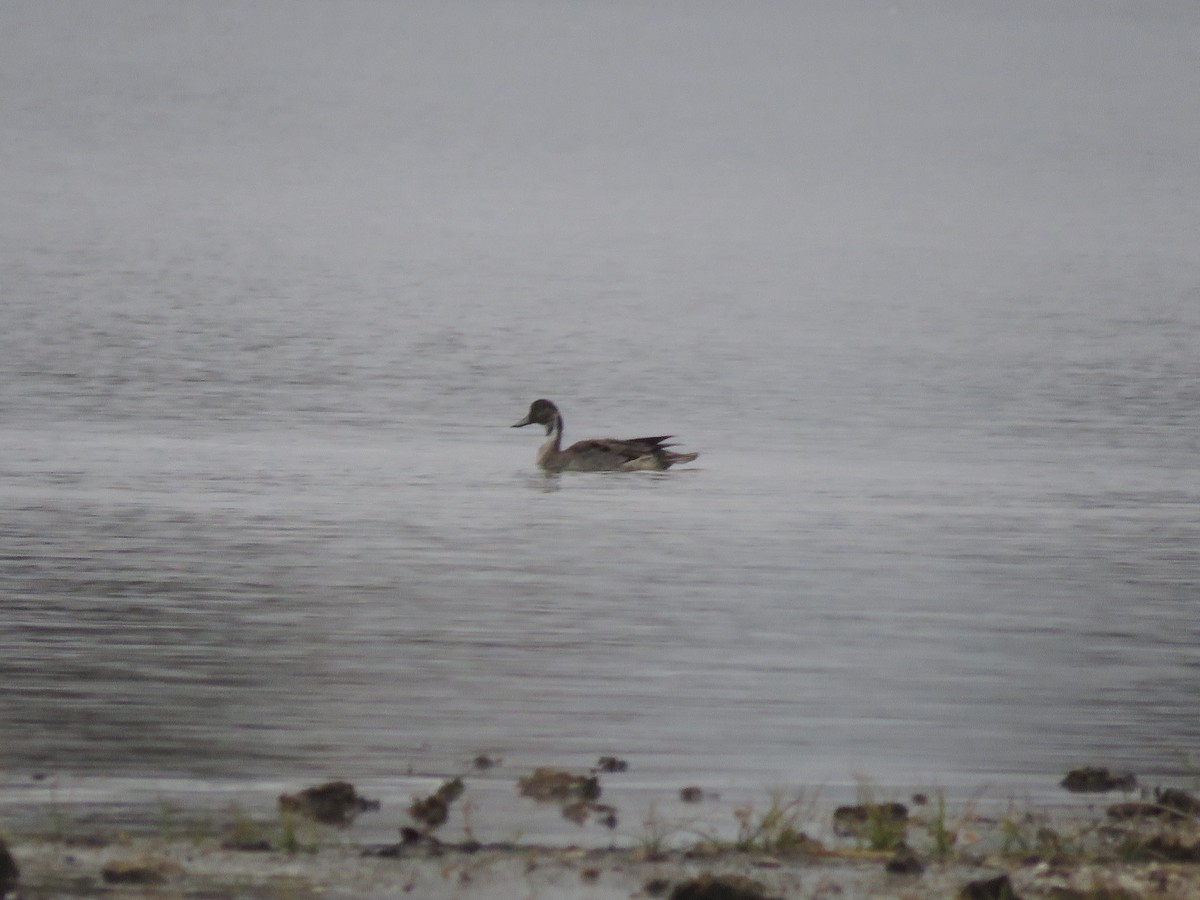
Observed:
{"x":783,"y":845}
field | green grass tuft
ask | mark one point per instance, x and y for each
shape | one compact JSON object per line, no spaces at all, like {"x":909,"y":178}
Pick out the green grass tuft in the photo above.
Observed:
{"x":776,"y":829}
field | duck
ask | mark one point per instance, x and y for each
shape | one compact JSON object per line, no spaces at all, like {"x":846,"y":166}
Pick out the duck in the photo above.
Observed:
{"x":598,"y":454}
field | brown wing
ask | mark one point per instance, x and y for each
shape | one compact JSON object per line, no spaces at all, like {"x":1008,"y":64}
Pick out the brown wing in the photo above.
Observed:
{"x":604,"y":452}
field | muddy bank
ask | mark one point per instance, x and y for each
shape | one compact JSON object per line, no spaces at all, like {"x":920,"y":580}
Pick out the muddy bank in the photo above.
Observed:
{"x":155,"y":869}
{"x":781,"y":845}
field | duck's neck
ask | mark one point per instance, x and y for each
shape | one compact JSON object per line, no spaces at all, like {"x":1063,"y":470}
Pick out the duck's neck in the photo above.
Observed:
{"x":553,"y":443}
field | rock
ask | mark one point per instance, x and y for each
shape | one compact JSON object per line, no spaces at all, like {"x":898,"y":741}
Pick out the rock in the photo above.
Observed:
{"x":333,"y":803}
{"x":432,"y":811}
{"x":611,"y":764}
{"x":691,"y":794}
{"x":576,"y":794}
{"x":998,"y":888}
{"x":9,"y":873}
{"x":1178,"y":800}
{"x":579,"y":812}
{"x":1097,"y":780}
{"x":558,"y":786}
{"x":1172,"y":803}
{"x":904,"y":862}
{"x":719,"y":887}
{"x":451,"y":789}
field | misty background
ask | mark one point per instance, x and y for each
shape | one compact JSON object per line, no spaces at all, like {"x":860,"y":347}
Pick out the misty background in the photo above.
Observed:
{"x":918,"y":280}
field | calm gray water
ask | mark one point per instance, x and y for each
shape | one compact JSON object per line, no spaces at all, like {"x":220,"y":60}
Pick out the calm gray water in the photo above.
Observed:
{"x":919,"y":280}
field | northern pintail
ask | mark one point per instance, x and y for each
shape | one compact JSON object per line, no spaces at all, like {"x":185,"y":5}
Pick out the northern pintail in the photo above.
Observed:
{"x":597,"y":454}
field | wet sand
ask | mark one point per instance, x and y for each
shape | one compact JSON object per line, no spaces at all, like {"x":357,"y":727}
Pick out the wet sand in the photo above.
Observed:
{"x":932,"y":853}
{"x":182,"y":869}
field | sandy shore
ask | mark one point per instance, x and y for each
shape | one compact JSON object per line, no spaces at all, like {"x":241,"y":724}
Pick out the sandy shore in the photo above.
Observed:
{"x":153,"y":869}
{"x":925,"y":851}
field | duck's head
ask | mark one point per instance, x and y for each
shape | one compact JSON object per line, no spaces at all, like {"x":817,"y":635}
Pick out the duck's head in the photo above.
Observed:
{"x":541,"y":412}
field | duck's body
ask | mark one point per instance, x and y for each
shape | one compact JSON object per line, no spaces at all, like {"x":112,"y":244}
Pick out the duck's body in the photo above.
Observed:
{"x":598,"y":454}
